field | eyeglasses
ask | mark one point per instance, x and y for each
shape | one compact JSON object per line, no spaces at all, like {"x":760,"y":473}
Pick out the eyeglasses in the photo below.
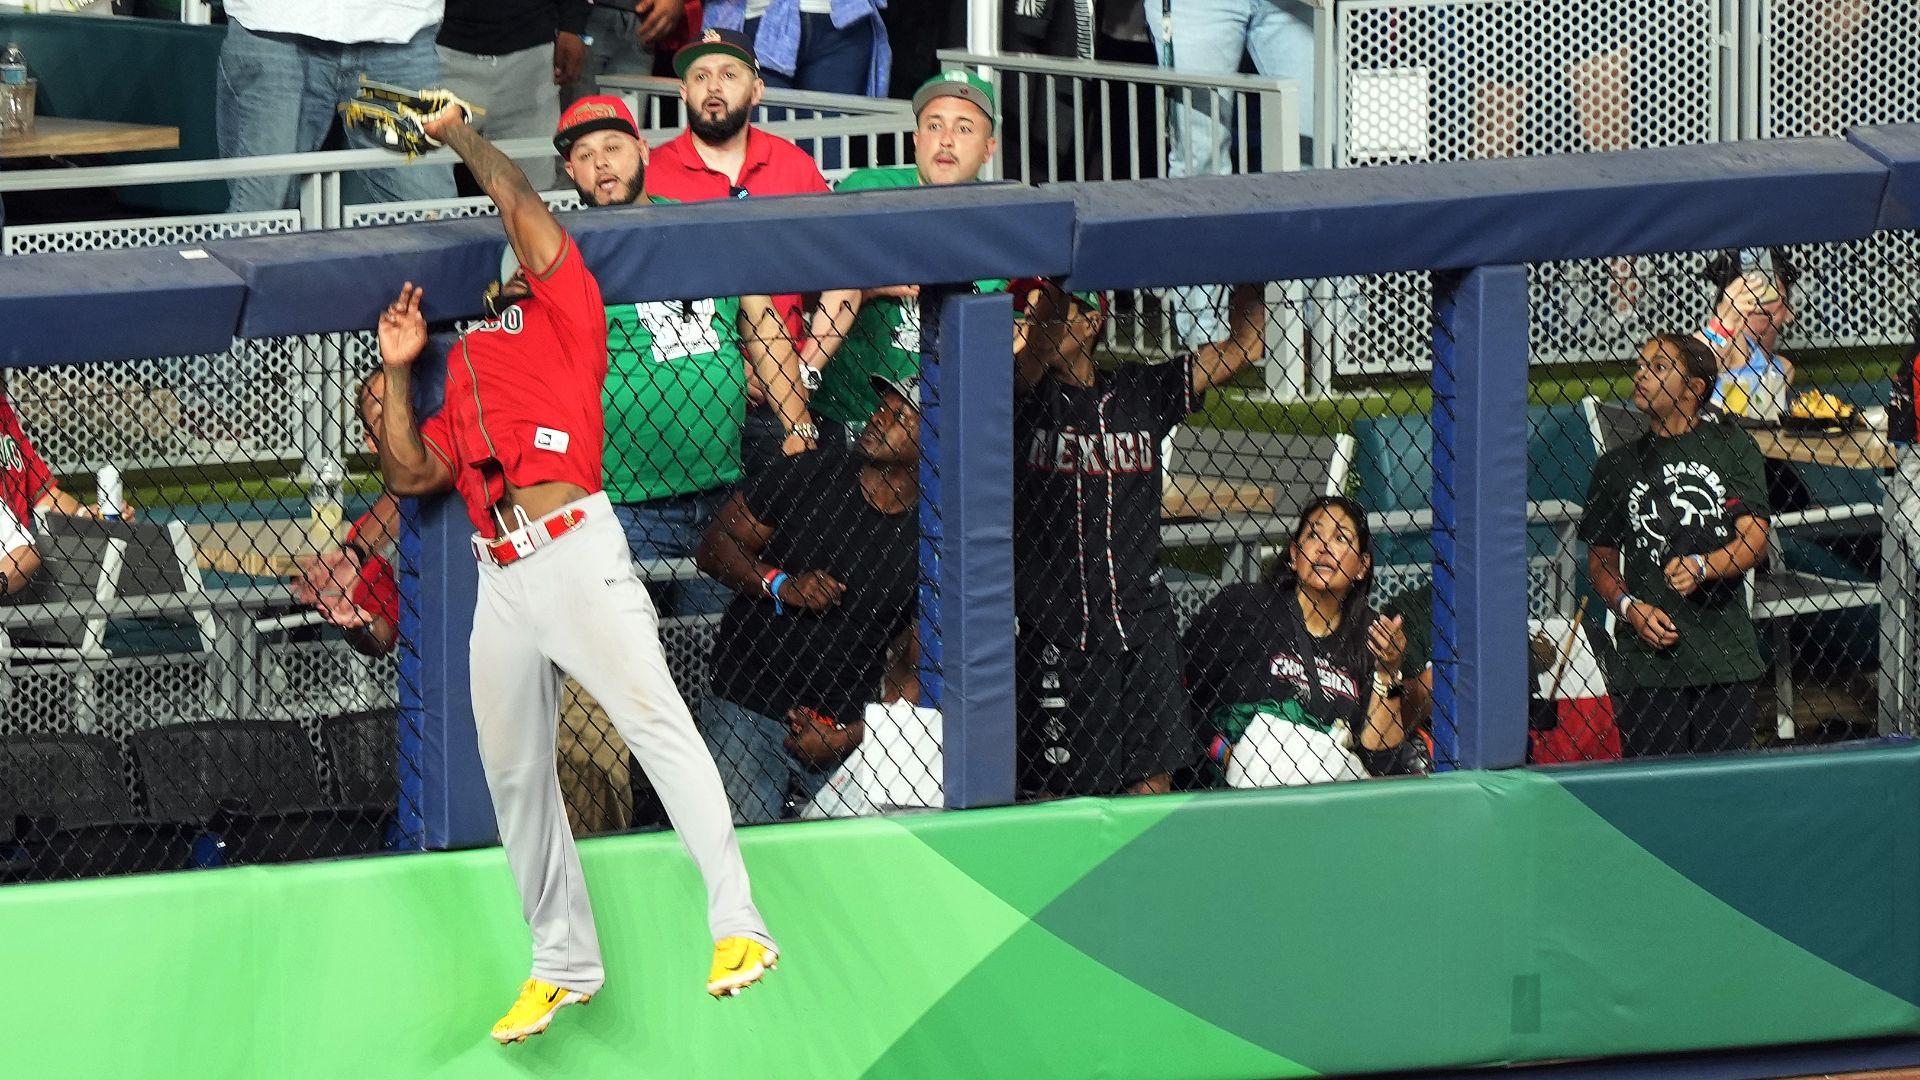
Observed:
{"x":737,"y":192}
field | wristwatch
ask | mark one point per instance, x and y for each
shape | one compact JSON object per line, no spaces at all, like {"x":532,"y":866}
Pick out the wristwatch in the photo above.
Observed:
{"x":1389,"y":690}
{"x":808,"y":430}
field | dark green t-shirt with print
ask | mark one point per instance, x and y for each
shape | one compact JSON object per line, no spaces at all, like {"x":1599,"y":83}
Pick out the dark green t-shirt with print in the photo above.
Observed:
{"x":1656,"y":498}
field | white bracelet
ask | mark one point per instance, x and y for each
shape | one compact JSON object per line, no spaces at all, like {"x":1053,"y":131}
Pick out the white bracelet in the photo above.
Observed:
{"x":1626,"y":601}
{"x":1699,"y":566}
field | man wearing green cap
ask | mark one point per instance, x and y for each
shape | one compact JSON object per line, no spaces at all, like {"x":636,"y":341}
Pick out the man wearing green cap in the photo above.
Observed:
{"x":952,"y":141}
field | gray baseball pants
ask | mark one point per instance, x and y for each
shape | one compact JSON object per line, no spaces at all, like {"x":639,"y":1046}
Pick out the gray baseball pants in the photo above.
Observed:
{"x":575,"y":605}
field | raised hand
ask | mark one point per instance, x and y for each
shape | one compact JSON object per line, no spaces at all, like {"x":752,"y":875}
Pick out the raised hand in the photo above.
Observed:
{"x":403,"y":330}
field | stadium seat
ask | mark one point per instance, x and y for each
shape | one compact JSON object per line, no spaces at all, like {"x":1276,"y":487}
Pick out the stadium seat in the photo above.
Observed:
{"x":69,"y":812}
{"x":255,"y":784}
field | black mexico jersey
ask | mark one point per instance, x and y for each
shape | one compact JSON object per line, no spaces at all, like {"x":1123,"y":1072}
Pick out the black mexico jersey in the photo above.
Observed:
{"x":1087,"y":499}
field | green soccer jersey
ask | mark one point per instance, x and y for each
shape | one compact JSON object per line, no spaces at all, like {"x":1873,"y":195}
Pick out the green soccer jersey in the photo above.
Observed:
{"x":675,"y":398}
{"x":885,"y":338}
{"x":1657,"y":498}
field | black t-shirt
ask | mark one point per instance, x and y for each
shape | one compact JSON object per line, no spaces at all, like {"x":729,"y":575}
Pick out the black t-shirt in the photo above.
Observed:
{"x":1250,"y":644}
{"x":1656,"y":498}
{"x":830,"y":660}
{"x":498,"y":27}
{"x":1086,"y":522}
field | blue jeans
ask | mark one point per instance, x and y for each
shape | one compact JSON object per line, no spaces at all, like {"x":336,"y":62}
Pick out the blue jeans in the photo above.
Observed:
{"x":671,"y":528}
{"x":1208,"y":38}
{"x":755,"y":767}
{"x":832,"y":60}
{"x":277,"y":93}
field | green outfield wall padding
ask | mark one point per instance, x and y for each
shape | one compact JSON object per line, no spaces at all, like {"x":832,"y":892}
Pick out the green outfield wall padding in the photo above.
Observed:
{"x":1772,"y":843}
{"x":1471,"y":918}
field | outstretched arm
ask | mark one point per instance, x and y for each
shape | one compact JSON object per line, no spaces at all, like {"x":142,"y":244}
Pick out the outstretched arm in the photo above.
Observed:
{"x":406,"y":465}
{"x":533,"y":231}
{"x":1246,"y":329}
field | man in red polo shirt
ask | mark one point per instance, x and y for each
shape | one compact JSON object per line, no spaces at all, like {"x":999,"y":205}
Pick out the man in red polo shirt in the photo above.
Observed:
{"x":722,"y":156}
{"x":520,"y":440}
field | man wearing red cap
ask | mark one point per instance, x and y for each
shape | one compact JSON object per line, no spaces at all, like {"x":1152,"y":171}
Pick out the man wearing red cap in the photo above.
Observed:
{"x":676,"y":393}
{"x":520,"y":440}
{"x":722,"y":156}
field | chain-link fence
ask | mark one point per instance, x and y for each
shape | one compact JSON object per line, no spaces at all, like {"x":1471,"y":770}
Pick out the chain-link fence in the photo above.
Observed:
{"x":200,"y":650}
{"x":1211,"y":580}
{"x":788,"y":583}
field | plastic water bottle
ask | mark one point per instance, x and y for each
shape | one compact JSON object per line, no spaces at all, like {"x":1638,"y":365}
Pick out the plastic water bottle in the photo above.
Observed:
{"x":13,"y":65}
{"x":111,"y":497}
{"x":15,"y":114}
{"x":324,"y":528}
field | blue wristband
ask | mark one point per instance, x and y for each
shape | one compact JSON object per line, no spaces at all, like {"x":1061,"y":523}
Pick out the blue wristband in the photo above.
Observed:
{"x":773,"y":590}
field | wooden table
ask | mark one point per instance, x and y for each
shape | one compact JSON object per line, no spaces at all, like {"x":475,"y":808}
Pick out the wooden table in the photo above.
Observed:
{"x":270,"y":548}
{"x":59,"y":136}
{"x":1211,"y":497}
{"x":1866,"y":448}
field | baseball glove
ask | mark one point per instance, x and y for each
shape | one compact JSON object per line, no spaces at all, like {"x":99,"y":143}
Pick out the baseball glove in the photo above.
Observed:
{"x":396,"y":117}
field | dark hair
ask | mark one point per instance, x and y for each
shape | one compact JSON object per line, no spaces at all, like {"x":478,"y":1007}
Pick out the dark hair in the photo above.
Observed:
{"x":1726,"y":267}
{"x":1280,"y":571}
{"x":1696,"y":360}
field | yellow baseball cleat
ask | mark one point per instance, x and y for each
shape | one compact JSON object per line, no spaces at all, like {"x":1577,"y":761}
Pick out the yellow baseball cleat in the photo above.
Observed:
{"x":534,"y":1009}
{"x":739,"y":962}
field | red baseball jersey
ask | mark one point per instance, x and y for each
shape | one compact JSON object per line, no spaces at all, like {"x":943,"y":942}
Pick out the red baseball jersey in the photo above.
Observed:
{"x":24,"y":478}
{"x":523,"y":392}
{"x":773,"y":166}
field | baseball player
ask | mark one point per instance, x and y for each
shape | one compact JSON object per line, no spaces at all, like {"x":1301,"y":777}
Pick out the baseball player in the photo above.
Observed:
{"x":520,"y":441}
{"x":1097,"y":658}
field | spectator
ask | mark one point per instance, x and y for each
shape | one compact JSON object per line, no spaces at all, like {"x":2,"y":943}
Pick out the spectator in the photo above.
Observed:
{"x":952,"y":141}
{"x":26,"y":485}
{"x":1299,"y":679}
{"x":1210,"y":37}
{"x":832,"y":46}
{"x":1674,"y":520}
{"x":1744,"y":332}
{"x":822,"y":552}
{"x":506,"y":56}
{"x":722,"y":156}
{"x":287,"y":64}
{"x":353,"y":586}
{"x":621,"y":39}
{"x":676,"y":389}
{"x":1096,"y":659}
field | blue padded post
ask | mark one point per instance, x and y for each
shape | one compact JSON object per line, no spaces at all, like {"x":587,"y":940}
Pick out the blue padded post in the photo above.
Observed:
{"x":1480,"y":517}
{"x":966,"y":549}
{"x":443,"y":791}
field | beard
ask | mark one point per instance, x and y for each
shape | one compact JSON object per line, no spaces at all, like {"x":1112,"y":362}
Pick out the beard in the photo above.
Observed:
{"x":623,"y":197}
{"x":726,"y":127}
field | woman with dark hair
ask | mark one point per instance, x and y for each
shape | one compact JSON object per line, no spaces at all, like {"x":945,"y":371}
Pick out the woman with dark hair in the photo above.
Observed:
{"x":1298,"y":676}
